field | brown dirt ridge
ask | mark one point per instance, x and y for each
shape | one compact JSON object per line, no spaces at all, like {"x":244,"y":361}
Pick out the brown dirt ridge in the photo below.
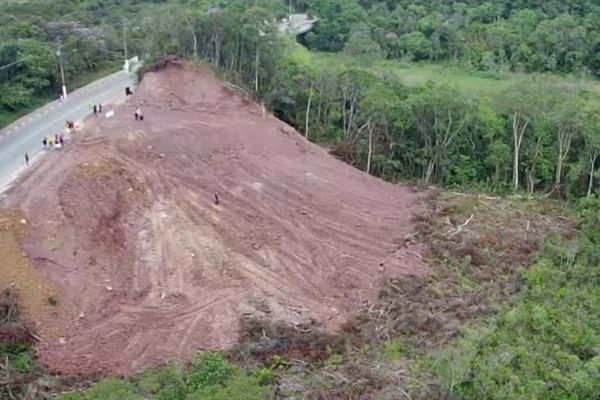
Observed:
{"x":123,"y":228}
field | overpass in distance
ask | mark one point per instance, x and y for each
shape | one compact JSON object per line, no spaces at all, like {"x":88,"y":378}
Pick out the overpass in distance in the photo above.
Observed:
{"x":297,"y":24}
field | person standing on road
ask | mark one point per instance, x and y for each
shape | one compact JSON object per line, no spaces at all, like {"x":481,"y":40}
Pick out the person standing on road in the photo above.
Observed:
{"x":45,"y":142}
{"x":100,"y":108}
{"x":95,"y":108}
{"x":27,"y":159}
{"x":50,"y":141}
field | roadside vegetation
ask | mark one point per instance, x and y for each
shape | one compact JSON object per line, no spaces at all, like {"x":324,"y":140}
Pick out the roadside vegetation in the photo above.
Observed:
{"x":500,"y":113}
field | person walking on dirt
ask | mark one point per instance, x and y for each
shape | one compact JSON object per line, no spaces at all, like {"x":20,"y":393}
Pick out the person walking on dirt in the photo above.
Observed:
{"x":216,"y":199}
{"x":100,"y":108}
{"x":95,"y":108}
{"x":61,"y":140}
{"x":56,"y":138}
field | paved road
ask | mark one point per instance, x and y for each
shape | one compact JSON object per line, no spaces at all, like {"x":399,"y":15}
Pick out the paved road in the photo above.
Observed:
{"x":25,"y":135}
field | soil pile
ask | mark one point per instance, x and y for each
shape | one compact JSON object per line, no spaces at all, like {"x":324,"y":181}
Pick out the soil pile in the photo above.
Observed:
{"x":149,"y":267}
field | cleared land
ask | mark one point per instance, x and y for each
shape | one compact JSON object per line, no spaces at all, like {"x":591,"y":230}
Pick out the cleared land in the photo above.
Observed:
{"x":123,"y":230}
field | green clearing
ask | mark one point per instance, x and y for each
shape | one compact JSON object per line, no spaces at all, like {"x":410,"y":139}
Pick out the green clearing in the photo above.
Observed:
{"x":471,"y":83}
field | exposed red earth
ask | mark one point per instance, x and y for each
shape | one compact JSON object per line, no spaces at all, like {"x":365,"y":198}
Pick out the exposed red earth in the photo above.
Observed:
{"x":123,"y":229}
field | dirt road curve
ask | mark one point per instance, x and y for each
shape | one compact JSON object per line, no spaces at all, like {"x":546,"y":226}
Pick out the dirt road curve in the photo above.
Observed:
{"x":147,"y":267}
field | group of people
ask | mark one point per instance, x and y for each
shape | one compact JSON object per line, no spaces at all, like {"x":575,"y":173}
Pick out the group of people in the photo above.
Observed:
{"x":57,"y":141}
{"x":53,"y":141}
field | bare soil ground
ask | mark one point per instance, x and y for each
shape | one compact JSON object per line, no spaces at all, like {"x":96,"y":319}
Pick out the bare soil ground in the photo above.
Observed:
{"x":123,"y":230}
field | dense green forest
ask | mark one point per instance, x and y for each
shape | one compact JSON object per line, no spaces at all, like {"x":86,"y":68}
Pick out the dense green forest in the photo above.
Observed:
{"x":522,"y":116}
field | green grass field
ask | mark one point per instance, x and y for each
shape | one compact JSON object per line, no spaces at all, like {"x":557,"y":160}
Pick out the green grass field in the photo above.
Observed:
{"x":472,"y":83}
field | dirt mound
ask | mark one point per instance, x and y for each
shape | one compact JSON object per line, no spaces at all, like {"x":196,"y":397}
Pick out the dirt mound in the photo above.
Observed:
{"x":125,"y":223}
{"x":166,"y":61}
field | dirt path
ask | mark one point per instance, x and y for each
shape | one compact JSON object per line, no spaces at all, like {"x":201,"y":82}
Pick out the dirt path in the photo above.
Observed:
{"x":124,"y":223}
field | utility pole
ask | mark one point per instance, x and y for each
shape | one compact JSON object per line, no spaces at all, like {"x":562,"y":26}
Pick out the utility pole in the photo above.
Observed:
{"x":125,"y":46}
{"x":62,"y":70}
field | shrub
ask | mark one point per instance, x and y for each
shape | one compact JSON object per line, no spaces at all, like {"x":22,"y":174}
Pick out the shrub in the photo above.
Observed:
{"x":167,"y":383}
{"x":23,"y":362}
{"x":239,"y":387}
{"x":394,"y":350}
{"x":111,"y":389}
{"x":208,"y":369}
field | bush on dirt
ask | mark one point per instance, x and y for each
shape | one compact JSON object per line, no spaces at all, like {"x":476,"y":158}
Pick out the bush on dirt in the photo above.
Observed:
{"x":166,"y":383}
{"x":107,"y":389}
{"x":239,"y":387}
{"x":208,"y":369}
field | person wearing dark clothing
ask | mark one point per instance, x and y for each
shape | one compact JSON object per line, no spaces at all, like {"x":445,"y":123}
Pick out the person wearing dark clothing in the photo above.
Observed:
{"x":128,"y":91}
{"x":100,"y":108}
{"x":56,"y":138}
{"x":27,"y":159}
{"x":61,"y":140}
{"x":45,"y":142}
{"x":216,"y":199}
{"x":95,"y":109}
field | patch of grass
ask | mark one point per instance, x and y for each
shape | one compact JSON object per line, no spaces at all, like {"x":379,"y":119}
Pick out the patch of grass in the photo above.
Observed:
{"x":208,"y":369}
{"x":239,"y":387}
{"x":23,"y":362}
{"x":107,"y":389}
{"x":472,"y":83}
{"x":166,"y":383}
{"x":394,"y":350}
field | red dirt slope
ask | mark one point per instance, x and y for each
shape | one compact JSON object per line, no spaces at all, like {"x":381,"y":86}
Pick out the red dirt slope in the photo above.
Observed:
{"x":124,"y":223}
